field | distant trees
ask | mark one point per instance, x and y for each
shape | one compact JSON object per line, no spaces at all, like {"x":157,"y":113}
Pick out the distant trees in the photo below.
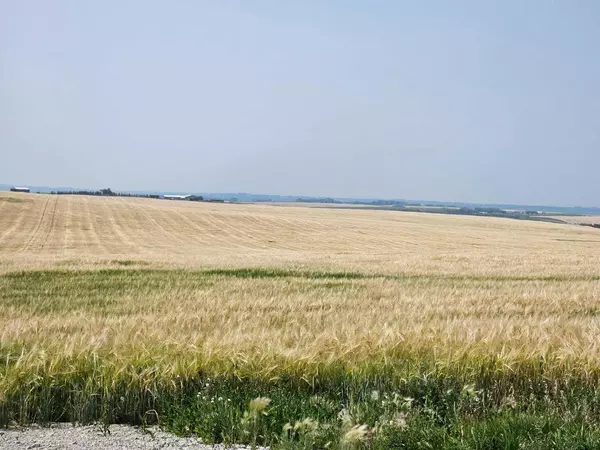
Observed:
{"x":317,"y":200}
{"x":388,"y":203}
{"x":108,"y":192}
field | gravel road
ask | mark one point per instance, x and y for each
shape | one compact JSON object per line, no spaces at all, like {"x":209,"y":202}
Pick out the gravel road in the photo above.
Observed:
{"x":121,"y":437}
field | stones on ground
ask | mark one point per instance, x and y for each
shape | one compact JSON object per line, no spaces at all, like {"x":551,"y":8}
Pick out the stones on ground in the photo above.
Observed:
{"x":69,"y":437}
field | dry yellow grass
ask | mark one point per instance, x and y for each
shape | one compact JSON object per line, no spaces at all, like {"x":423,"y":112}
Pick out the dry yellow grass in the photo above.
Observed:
{"x":122,"y":298}
{"x":475,"y":286}
{"x":45,"y":230}
{"x":299,"y":318}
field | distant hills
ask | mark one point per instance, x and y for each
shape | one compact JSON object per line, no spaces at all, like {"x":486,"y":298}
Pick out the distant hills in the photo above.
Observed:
{"x":248,"y":197}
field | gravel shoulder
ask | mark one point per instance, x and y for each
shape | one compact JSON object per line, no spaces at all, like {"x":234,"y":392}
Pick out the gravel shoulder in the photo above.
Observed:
{"x":121,"y":437}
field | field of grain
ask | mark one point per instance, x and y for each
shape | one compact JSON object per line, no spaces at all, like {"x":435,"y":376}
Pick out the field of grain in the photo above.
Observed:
{"x":117,"y":309}
{"x":43,"y":231}
{"x":579,"y":219}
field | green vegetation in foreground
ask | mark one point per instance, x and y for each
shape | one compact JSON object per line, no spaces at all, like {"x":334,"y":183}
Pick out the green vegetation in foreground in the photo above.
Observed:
{"x":402,"y":402}
{"x":259,"y":273}
{"x":358,"y":411}
{"x":339,"y":409}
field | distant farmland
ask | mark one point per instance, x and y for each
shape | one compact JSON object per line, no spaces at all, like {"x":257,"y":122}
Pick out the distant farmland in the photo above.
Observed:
{"x":46,"y":231}
{"x":579,"y":219}
{"x":362,"y":328}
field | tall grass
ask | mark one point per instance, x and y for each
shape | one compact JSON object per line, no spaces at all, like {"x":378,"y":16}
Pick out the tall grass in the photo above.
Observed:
{"x":347,"y":359}
{"x":401,"y":405}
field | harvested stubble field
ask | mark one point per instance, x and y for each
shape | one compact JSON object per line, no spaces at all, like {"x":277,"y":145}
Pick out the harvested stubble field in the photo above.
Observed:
{"x":364,"y":328}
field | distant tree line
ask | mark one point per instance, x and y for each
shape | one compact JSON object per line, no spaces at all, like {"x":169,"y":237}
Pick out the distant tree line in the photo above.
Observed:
{"x":104,"y":193}
{"x":394,"y":203}
{"x":593,"y":225}
{"x":317,"y":200}
{"x":489,"y":212}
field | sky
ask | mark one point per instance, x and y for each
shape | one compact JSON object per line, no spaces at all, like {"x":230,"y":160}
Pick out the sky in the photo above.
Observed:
{"x":478,"y":101}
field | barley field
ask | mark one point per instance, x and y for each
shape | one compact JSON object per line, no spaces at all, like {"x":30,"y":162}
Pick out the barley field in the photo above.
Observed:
{"x":356,"y":328}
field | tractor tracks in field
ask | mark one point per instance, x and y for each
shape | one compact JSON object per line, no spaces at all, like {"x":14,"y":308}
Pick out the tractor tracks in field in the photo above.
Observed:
{"x":52,"y":223}
{"x":89,"y":219}
{"x":12,"y":228}
{"x":37,"y":228}
{"x":162,"y":223}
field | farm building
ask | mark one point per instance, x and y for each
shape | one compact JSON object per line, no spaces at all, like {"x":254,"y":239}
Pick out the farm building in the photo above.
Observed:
{"x":19,"y":189}
{"x":176,"y":197}
{"x":190,"y":197}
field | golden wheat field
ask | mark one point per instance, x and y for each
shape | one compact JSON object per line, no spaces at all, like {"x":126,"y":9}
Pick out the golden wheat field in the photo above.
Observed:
{"x":44,"y":231}
{"x":332,"y":285}
{"x":132,"y":310}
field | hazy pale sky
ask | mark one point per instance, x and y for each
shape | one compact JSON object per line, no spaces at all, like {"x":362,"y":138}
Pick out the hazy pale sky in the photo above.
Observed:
{"x":483,"y":101}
